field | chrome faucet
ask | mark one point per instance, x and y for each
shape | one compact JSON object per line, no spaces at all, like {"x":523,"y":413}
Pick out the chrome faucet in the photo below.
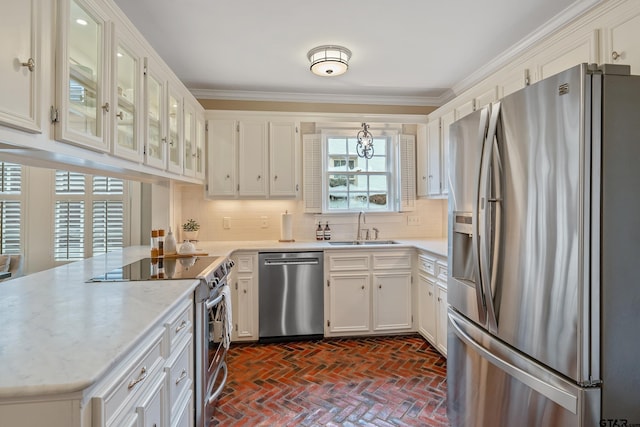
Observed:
{"x":363,"y":217}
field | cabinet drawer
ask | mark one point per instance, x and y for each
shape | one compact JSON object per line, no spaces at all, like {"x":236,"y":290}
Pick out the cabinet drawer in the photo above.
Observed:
{"x":180,"y":324}
{"x":441,"y":270}
{"x":150,"y":409}
{"x":426,"y":264}
{"x":244,"y":263}
{"x":348,"y":262}
{"x":180,"y":372}
{"x":109,"y":404}
{"x":184,"y":415}
{"x":392,"y":260}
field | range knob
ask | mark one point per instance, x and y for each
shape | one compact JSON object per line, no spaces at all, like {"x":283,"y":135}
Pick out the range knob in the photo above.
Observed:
{"x":230,"y":264}
{"x":214,"y":282}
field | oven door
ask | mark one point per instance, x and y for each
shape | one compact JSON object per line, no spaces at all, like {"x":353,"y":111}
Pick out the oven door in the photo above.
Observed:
{"x":216,"y":368}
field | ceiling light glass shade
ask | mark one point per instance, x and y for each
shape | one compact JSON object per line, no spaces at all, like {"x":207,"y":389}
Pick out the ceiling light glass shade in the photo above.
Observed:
{"x":329,"y":60}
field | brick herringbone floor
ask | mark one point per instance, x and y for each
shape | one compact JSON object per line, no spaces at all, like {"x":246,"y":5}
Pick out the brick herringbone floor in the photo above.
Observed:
{"x":386,"y":381}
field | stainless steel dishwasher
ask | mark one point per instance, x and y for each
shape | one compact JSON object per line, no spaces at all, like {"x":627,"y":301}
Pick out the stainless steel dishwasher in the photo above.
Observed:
{"x":291,"y":296}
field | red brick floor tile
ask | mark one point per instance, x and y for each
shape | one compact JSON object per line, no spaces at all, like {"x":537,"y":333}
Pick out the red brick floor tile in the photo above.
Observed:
{"x":380,"y":381}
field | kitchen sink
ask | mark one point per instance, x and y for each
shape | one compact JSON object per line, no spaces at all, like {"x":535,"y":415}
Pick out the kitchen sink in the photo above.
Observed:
{"x":364,"y":242}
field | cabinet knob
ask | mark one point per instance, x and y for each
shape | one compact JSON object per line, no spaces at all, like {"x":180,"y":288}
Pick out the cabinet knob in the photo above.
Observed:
{"x":275,"y":178}
{"x":245,"y":291}
{"x":30,"y":64}
{"x":362,"y":286}
{"x":120,"y":115}
{"x":430,"y":294}
{"x":379,"y":286}
{"x":424,"y":177}
{"x":228,"y":176}
{"x":259,"y":177}
{"x":614,"y":55}
{"x":106,"y":107}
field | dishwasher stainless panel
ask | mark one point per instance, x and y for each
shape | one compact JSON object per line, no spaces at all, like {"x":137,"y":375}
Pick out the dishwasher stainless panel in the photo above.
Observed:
{"x":291,"y":296}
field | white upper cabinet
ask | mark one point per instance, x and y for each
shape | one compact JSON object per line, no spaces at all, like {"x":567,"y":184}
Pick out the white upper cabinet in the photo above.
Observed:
{"x":21,"y":67}
{"x":422,"y":161}
{"x":221,"y":158}
{"x":572,"y":51}
{"x":438,"y":155}
{"x":84,"y":58}
{"x":283,"y":159}
{"x":189,"y":133}
{"x":252,"y":157}
{"x":127,"y":91}
{"x":621,"y":37}
{"x":155,"y":111}
{"x":174,"y":130}
{"x":200,"y":145}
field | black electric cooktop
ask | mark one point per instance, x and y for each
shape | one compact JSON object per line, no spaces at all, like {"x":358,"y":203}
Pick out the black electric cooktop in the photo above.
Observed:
{"x":158,"y":269}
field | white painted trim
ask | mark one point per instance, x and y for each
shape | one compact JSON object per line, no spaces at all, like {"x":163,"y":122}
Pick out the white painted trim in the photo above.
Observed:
{"x":317,"y":117}
{"x":322,"y":98}
{"x":575,"y":10}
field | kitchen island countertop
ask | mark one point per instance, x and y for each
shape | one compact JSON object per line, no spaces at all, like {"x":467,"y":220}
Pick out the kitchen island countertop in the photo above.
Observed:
{"x":59,"y":334}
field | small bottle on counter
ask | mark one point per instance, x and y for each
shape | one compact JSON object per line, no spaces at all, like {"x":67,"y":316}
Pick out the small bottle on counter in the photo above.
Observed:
{"x":170,"y":243}
{"x":160,"y":242}
{"x":319,"y":232}
{"x":327,"y":231}
{"x":154,"y":243}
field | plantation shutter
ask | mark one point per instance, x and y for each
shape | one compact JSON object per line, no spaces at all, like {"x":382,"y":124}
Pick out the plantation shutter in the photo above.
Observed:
{"x":10,"y":207}
{"x":407,"y":168}
{"x":107,"y":215}
{"x":312,"y":172}
{"x":69,"y":216}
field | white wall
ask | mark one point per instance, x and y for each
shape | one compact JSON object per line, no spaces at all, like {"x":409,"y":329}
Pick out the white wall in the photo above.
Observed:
{"x":246,"y":218}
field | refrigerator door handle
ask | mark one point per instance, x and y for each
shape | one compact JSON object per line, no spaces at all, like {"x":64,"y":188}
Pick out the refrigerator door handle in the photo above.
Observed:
{"x":480,"y":295}
{"x":562,"y":397}
{"x":486,"y":202}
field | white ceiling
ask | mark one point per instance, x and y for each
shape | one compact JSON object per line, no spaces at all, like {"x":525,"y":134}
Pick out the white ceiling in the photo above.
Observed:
{"x":405,"y":52}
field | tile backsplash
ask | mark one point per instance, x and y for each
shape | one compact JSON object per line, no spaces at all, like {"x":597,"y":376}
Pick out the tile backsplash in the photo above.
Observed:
{"x":261,"y":219}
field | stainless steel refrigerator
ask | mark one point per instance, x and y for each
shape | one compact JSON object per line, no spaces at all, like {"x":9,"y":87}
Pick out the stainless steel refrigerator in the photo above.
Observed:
{"x":544,"y":231}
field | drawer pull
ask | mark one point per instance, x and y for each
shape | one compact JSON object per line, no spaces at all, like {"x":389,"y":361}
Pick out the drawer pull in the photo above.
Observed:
{"x":181,"y":326}
{"x":141,"y":377}
{"x":182,"y":376}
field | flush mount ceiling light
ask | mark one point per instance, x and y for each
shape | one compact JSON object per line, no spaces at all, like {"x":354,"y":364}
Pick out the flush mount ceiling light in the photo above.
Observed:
{"x":329,"y":60}
{"x":364,"y":147}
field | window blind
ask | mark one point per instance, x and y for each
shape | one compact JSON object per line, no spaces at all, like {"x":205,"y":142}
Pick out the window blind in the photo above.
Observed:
{"x":10,"y":207}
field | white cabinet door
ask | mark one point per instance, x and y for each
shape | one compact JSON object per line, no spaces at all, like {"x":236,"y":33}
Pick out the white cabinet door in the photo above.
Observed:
{"x":465,"y":109}
{"x":252,"y":156}
{"x":155,"y":149}
{"x":392,"y":301}
{"x":434,"y":186}
{"x":174,"y":130}
{"x":151,"y":411}
{"x":221,"y":158}
{"x":427,"y":308}
{"x":568,"y":54}
{"x":447,"y":119}
{"x":189,"y":133}
{"x":84,"y":58}
{"x":622,"y":44}
{"x":21,"y":68}
{"x":514,"y":80}
{"x":200,"y":145}
{"x":128,"y":66}
{"x":422,"y":161}
{"x":245,"y":297}
{"x":441,"y":292}
{"x":283,"y":159}
{"x":349,"y":302}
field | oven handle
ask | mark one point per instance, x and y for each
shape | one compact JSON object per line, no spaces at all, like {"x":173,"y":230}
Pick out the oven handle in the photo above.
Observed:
{"x":214,"y":302}
{"x":215,"y":395}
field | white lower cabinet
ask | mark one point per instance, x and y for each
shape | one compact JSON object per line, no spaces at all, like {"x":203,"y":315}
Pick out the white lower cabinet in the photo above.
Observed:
{"x":244,"y":296}
{"x":426,"y":304}
{"x":151,"y":411}
{"x":368,"y":292}
{"x":432,"y":299}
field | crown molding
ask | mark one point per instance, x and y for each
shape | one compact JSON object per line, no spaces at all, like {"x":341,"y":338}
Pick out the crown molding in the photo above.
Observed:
{"x":322,"y":98}
{"x":575,"y":10}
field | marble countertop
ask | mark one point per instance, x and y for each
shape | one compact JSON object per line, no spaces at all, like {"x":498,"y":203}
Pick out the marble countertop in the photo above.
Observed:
{"x":59,"y":334}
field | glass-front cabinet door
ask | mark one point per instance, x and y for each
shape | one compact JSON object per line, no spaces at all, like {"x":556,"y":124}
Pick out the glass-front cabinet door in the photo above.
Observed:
{"x":84,"y":103}
{"x":189,"y":140}
{"x":200,"y":144}
{"x":155,"y":145}
{"x":174,"y":135}
{"x":127,"y":65}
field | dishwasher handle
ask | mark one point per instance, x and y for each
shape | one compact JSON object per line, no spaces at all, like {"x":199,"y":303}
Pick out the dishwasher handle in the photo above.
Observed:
{"x":291,"y":261}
